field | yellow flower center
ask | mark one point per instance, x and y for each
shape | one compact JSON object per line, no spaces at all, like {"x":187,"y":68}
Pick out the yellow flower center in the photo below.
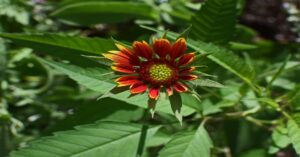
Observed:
{"x":160,"y":72}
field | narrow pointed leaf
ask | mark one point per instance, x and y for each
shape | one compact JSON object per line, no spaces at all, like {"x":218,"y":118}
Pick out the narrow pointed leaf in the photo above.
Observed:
{"x":93,"y":12}
{"x":61,"y":44}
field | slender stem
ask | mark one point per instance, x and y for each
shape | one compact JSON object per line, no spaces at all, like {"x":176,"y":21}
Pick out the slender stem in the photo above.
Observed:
{"x":142,"y":140}
{"x":143,"y":136}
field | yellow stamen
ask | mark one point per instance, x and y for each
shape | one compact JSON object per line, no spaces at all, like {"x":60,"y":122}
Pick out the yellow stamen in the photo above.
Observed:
{"x":160,"y":72}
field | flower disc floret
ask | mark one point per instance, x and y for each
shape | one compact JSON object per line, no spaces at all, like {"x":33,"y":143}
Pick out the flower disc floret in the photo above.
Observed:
{"x":160,"y":72}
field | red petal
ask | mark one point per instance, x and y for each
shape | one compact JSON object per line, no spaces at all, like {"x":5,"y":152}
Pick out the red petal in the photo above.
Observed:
{"x":116,"y":58}
{"x":162,"y":47}
{"x":187,"y":70}
{"x":123,"y":69}
{"x":169,"y":91}
{"x":186,"y":59}
{"x":154,"y":93}
{"x":180,"y":87}
{"x":139,"y":87}
{"x":142,"y":49}
{"x":119,"y":53}
{"x":178,"y":48}
{"x":132,"y":57}
{"x":124,"y":50}
{"x":126,"y":80}
{"x":189,"y":77}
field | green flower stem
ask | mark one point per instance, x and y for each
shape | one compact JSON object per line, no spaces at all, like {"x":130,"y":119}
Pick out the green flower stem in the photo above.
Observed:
{"x":143,"y":136}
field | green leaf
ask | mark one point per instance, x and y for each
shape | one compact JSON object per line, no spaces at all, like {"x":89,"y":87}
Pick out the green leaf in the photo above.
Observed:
{"x":176,"y":104}
{"x":293,"y":127}
{"x":91,"y":111}
{"x":209,"y":108}
{"x":215,"y":21}
{"x":270,"y":102}
{"x":207,"y":83}
{"x":189,"y":144}
{"x":99,"y":80}
{"x":192,"y":100}
{"x":93,"y":140}
{"x":280,"y":137}
{"x":57,"y":44}
{"x":279,"y":71}
{"x":242,"y":46}
{"x":227,"y":59}
{"x":15,"y":11}
{"x":93,"y":12}
{"x":224,"y":57}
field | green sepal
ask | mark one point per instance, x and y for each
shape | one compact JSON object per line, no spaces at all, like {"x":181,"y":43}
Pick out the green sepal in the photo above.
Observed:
{"x":151,"y":106}
{"x":176,"y":104}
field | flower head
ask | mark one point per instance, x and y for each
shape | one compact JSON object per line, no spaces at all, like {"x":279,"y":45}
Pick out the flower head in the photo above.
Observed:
{"x":161,"y":66}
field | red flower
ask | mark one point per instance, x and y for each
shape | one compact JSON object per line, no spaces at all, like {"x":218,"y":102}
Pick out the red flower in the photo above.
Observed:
{"x":160,"y":66}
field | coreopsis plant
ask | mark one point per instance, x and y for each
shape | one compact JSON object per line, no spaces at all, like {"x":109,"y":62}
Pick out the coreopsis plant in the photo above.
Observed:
{"x":160,"y":67}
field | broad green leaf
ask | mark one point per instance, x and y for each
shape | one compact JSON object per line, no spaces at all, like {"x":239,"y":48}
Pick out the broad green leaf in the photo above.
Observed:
{"x":191,"y":100}
{"x":209,"y":108}
{"x":61,"y":44}
{"x":293,"y":127}
{"x":215,"y":21}
{"x":160,"y":138}
{"x":189,"y":144}
{"x":280,"y":137}
{"x":98,"y":79}
{"x":223,"y":57}
{"x":91,"y":111}
{"x":93,"y":12}
{"x":93,"y":140}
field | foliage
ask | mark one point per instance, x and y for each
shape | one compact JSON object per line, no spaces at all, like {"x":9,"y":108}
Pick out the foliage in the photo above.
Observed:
{"x":58,"y":96}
